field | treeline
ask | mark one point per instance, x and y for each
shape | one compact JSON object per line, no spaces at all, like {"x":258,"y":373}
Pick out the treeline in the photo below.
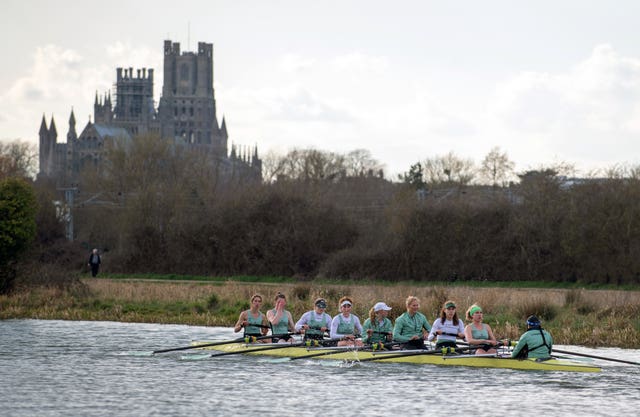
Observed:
{"x":152,"y":208}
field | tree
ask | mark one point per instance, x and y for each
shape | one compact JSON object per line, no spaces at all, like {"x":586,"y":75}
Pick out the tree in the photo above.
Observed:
{"x":317,"y":165}
{"x":360,"y":163}
{"x":448,"y":169}
{"x":17,"y":159}
{"x":17,"y":226}
{"x":414,"y":177}
{"x":496,"y":168}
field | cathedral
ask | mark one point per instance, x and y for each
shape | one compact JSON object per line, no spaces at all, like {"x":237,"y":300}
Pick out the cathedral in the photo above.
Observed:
{"x":186,"y":115}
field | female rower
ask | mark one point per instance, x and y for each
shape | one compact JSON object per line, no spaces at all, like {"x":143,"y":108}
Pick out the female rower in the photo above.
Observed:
{"x":316,"y":322}
{"x":345,"y":327}
{"x":253,"y":321}
{"x":378,"y":327}
{"x":535,"y":342}
{"x":281,"y":321}
{"x":447,"y":327}
{"x":412,"y":327}
{"x":478,"y":333}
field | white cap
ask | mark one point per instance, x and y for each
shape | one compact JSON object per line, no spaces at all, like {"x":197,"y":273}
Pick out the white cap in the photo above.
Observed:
{"x":345,"y":303}
{"x":381,"y":306}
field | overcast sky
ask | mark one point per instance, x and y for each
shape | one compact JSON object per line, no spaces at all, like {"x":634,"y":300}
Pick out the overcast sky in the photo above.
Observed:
{"x":546,"y":81}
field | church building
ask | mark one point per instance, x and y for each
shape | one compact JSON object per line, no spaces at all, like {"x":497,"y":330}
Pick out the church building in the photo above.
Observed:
{"x":186,"y":115}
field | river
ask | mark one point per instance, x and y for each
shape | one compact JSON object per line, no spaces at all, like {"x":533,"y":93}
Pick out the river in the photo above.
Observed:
{"x":75,"y":368}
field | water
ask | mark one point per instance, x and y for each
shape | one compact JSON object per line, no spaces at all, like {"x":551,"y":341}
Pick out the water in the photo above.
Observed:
{"x":66,"y":368}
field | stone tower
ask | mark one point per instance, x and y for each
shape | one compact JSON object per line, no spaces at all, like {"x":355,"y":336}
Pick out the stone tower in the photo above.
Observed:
{"x":134,"y":109}
{"x":187,"y":107}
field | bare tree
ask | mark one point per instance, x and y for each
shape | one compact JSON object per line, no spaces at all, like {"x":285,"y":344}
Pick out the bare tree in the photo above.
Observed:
{"x":18,"y":159}
{"x":273,"y":166}
{"x":496,"y":168}
{"x":448,"y":169}
{"x":360,"y":163}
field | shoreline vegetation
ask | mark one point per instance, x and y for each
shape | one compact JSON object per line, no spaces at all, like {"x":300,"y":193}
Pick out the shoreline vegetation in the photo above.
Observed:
{"x":573,"y":315}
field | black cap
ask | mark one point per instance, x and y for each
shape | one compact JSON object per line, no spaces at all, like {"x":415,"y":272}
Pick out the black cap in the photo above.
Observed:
{"x":533,"y":321}
{"x":321,"y":303}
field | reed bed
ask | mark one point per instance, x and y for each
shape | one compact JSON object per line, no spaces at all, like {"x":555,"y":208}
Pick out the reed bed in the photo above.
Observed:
{"x":577,"y":317}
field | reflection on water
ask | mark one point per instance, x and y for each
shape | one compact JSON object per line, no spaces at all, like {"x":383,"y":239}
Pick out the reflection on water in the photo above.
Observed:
{"x":59,"y":368}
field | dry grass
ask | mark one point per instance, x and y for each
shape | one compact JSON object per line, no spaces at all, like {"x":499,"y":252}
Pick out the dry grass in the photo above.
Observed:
{"x":584,"y":317}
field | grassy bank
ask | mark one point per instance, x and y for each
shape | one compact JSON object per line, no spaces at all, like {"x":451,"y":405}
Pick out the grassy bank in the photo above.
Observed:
{"x":574,"y":316}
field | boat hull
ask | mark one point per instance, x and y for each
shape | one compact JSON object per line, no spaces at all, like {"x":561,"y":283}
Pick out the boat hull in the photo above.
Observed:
{"x":411,"y":357}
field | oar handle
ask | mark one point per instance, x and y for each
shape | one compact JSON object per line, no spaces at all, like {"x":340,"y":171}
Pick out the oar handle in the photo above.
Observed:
{"x":448,"y":334}
{"x":262,"y":326}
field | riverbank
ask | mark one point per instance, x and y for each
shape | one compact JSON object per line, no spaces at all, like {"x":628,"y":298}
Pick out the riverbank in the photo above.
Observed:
{"x":596,"y":318}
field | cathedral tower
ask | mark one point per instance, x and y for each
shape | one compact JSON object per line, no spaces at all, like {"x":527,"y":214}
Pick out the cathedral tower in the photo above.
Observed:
{"x":187,"y":107}
{"x":134,"y":109}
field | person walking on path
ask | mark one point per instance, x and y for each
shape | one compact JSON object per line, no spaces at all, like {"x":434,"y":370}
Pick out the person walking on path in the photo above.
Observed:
{"x":94,"y":262}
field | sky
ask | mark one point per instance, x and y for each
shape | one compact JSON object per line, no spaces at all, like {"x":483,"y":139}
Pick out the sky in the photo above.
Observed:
{"x":545,"y":81}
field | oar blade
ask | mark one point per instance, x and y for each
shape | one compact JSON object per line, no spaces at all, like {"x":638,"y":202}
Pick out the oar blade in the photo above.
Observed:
{"x":195,"y":356}
{"x":136,"y":353}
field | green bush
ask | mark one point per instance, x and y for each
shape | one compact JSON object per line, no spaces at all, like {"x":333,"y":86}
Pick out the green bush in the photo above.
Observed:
{"x":18,"y":209}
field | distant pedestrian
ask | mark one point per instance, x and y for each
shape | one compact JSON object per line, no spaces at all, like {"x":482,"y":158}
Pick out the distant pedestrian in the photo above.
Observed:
{"x":94,"y":262}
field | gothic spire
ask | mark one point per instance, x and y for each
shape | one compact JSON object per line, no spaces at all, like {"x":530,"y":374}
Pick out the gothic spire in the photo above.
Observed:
{"x":224,"y":127}
{"x":43,"y":126}
{"x":52,"y":128}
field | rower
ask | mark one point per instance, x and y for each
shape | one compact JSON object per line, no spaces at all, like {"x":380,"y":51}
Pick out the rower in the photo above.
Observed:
{"x":412,"y":327}
{"x":479,"y":334}
{"x":378,"y":328}
{"x":535,"y":342}
{"x":316,"y":322}
{"x":281,"y":321}
{"x":447,"y":327}
{"x":345,"y":327}
{"x":253,"y":321}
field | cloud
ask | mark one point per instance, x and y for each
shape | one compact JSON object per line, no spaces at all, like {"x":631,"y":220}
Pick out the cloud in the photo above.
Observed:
{"x":46,"y":78}
{"x":301,"y":105}
{"x":359,"y":63}
{"x":588,"y":113}
{"x":291,"y":63}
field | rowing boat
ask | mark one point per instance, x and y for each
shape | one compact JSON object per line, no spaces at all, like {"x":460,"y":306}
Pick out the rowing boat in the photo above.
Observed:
{"x":409,"y":356}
